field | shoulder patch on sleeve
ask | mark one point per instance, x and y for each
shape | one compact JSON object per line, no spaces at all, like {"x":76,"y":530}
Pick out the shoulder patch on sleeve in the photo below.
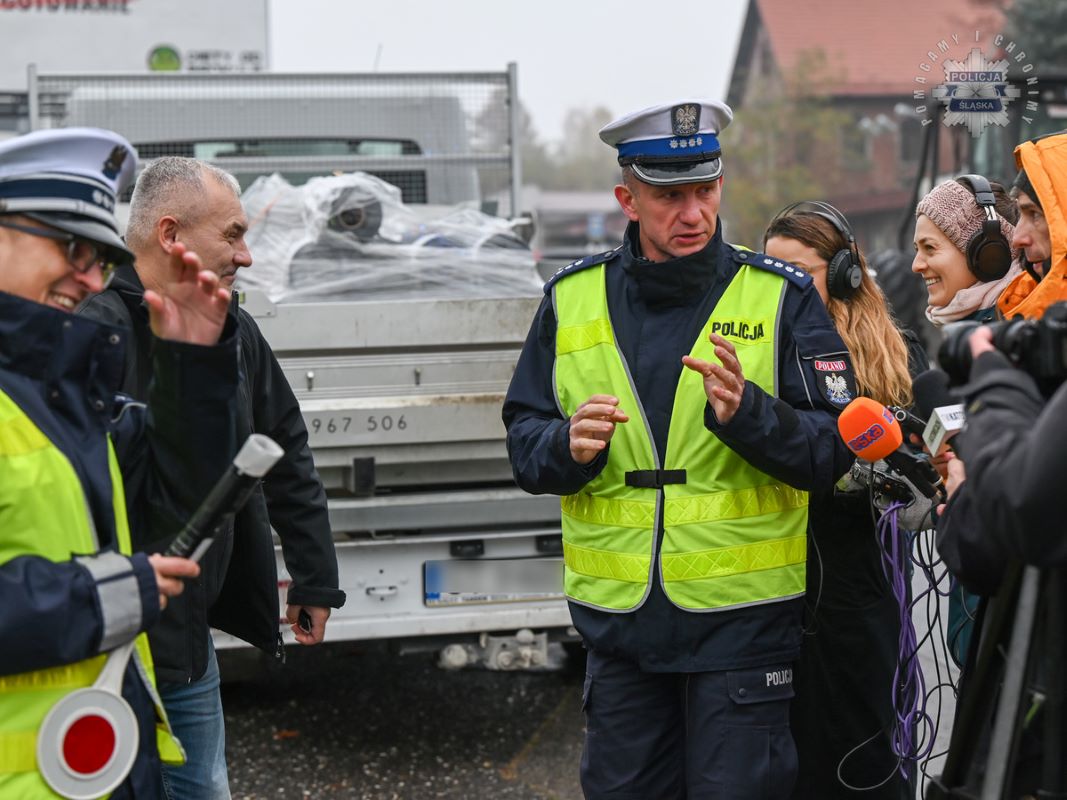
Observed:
{"x":828,"y":366}
{"x":794,"y":275}
{"x":582,"y":263}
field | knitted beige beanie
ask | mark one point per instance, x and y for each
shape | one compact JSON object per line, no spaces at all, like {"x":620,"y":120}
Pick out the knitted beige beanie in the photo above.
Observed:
{"x":953,"y":209}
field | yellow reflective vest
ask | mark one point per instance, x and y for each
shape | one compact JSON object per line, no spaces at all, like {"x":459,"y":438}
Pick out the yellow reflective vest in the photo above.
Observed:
{"x":44,"y":512}
{"x":731,"y":535}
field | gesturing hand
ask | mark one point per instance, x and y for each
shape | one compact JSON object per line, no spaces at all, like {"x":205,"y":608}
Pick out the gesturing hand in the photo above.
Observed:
{"x":190,"y":305}
{"x":723,"y":384}
{"x":593,"y":425}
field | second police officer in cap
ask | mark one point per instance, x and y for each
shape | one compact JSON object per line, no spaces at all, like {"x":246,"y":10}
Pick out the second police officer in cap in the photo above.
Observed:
{"x":680,"y":394}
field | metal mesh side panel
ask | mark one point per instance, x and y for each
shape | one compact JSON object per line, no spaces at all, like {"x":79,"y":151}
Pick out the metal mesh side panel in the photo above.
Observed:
{"x":441,"y":138}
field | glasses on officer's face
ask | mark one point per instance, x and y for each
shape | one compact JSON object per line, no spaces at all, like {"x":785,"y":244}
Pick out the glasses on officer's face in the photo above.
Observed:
{"x":82,"y":254}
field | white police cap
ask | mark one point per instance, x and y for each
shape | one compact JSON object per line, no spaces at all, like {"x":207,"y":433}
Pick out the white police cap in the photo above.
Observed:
{"x":671,"y":143}
{"x":69,"y":178}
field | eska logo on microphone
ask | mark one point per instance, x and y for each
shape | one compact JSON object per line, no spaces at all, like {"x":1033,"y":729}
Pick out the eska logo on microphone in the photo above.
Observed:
{"x":867,"y":438}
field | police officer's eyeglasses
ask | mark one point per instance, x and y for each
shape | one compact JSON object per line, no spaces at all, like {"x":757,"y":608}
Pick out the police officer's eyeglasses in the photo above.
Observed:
{"x":82,"y":254}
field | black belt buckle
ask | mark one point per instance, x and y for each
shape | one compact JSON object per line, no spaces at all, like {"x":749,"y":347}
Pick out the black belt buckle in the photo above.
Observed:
{"x":654,"y":478}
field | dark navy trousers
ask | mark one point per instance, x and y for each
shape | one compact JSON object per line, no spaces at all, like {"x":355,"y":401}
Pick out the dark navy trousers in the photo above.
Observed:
{"x":686,"y":736}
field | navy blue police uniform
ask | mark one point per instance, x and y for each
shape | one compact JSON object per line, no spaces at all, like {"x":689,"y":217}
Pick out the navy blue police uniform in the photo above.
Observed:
{"x":682,"y":704}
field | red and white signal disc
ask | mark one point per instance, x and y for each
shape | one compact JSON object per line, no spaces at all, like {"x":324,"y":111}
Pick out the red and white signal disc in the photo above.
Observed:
{"x":87,"y":744}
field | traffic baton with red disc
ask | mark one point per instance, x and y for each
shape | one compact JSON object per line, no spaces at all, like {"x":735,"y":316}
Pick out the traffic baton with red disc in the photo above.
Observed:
{"x":88,"y":741}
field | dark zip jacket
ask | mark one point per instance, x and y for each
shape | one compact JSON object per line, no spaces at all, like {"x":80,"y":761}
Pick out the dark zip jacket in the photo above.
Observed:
{"x":237,"y":591}
{"x":1007,"y":513}
{"x":1010,"y":508}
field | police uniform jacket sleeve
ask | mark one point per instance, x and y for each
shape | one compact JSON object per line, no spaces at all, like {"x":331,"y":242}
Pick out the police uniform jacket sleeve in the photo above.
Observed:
{"x":1014,"y":448}
{"x":295,"y":497}
{"x":538,"y":435}
{"x":41,"y":598}
{"x":794,"y":437}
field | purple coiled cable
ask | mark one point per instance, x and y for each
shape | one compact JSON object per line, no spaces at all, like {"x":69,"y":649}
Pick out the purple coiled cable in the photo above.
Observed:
{"x":909,"y":684}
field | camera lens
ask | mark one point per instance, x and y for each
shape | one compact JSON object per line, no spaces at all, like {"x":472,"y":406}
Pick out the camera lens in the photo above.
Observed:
{"x":357,"y":213}
{"x":1055,"y":318}
{"x":1015,"y":338}
{"x":350,"y":218}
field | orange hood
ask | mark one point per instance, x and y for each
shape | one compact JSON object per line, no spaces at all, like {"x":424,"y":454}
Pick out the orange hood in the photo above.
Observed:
{"x":1042,"y":159}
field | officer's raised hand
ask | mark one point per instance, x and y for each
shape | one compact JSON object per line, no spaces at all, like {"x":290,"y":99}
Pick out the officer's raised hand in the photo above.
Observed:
{"x":593,"y":425}
{"x":189,"y":306}
{"x":723,"y":384}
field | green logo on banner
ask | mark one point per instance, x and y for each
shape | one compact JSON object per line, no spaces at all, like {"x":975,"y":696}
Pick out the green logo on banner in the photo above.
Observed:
{"x":164,"y":59}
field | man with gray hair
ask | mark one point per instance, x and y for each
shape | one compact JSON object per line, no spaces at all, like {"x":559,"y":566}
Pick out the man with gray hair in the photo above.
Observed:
{"x":183,"y":201}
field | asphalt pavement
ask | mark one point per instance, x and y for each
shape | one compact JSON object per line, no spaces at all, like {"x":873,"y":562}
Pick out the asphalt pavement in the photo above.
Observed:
{"x":338,"y":722}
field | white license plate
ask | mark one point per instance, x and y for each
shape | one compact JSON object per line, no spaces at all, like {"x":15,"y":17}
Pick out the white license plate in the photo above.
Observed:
{"x":463,"y":582}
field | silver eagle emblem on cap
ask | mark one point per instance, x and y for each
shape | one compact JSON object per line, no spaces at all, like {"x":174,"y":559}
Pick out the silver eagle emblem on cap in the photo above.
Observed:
{"x":685,"y":119}
{"x":113,"y":165}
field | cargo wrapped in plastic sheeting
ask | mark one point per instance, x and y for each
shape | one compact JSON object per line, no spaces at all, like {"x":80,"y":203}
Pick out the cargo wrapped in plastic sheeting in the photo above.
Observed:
{"x":350,"y":237}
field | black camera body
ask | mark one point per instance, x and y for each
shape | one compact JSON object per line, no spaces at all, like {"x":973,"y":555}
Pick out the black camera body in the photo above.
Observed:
{"x":1038,"y":346}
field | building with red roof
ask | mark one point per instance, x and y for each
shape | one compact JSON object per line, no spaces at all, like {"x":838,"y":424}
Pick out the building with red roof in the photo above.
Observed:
{"x":878,"y":64}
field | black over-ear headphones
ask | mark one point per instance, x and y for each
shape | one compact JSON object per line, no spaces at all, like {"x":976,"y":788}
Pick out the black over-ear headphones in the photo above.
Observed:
{"x":988,"y":252}
{"x":844,"y":273}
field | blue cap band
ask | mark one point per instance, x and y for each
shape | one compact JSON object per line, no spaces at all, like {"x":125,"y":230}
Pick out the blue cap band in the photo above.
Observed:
{"x":74,"y":189}
{"x":675,"y":146}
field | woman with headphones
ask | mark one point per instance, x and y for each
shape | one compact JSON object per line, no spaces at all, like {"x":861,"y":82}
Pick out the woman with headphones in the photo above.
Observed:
{"x":850,"y":649}
{"x":963,"y":231}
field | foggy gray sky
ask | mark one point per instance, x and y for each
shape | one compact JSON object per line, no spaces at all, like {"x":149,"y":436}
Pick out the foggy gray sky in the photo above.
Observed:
{"x":623,"y":55}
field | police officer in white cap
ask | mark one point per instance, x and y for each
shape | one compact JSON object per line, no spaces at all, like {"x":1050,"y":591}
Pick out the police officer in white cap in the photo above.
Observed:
{"x":69,"y":588}
{"x":680,"y":394}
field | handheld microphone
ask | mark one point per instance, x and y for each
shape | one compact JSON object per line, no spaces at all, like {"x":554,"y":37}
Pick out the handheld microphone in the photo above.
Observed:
{"x":944,"y":423}
{"x":872,"y":433}
{"x":909,"y":422}
{"x":935,"y":402}
{"x":255,"y":459}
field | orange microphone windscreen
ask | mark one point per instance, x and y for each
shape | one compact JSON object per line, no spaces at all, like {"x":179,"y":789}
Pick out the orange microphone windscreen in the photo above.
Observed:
{"x":869,"y":429}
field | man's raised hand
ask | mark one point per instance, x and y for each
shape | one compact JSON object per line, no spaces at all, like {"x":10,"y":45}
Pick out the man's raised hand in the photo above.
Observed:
{"x":190,"y":306}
